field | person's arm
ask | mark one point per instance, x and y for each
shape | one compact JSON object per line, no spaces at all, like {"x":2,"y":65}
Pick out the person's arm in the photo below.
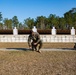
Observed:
{"x":38,"y":38}
{"x":29,"y":41}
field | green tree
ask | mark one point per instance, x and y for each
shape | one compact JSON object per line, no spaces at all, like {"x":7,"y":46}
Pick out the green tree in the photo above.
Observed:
{"x":40,"y":22}
{"x":7,"y":23}
{"x":29,"y":22}
{"x":62,"y":23}
{"x":47,"y":25}
{"x":21,"y":26}
{"x":70,"y":17}
{"x":74,"y":20}
{"x":15,"y":22}
{"x":53,"y":20}
{"x":73,"y":11}
{"x":1,"y":18}
{"x":1,"y":25}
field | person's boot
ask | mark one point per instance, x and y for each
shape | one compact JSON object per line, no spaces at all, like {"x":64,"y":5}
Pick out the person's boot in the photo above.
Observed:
{"x":39,"y":51}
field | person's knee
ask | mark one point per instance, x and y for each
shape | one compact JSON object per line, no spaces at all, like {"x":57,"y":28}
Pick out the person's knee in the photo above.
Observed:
{"x":39,"y":45}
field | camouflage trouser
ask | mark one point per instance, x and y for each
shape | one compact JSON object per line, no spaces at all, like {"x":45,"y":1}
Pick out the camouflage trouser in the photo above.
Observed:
{"x":75,"y":46}
{"x":36,"y":47}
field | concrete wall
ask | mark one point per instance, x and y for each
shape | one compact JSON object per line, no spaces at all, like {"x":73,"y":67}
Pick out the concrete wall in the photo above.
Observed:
{"x":45,"y":38}
{"x":58,"y":38}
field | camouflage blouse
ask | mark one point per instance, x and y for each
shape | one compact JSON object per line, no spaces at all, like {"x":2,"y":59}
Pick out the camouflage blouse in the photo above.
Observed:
{"x":34,"y":37}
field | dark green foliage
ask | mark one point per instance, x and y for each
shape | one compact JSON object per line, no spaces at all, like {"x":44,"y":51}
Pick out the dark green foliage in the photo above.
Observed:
{"x":1,"y":17}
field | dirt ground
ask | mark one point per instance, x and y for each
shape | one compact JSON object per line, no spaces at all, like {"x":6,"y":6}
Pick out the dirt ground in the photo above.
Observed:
{"x":45,"y":45}
{"x":34,"y":63}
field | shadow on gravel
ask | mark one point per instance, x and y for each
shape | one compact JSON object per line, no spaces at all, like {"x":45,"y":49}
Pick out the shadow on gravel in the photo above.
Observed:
{"x":60,"y":49}
{"x":68,"y":48}
{"x":24,"y":49}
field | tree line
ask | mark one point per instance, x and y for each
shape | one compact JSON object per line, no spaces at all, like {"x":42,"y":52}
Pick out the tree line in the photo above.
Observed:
{"x":41,"y":22}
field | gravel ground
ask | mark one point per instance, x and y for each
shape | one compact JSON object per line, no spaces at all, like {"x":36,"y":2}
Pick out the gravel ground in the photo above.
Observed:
{"x":55,"y":59}
{"x":45,"y":45}
{"x":34,"y":63}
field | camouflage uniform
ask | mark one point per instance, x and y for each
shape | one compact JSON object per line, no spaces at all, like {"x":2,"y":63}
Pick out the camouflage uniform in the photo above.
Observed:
{"x":34,"y":37}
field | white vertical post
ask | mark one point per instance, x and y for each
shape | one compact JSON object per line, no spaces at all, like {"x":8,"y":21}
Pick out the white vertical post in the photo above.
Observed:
{"x":53,"y":31}
{"x":15,"y":31}
{"x":72,"y":31}
{"x":34,"y":29}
